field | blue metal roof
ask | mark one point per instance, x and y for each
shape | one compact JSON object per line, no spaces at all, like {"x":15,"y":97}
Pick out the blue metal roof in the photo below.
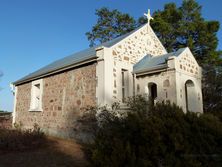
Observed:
{"x":154,"y":62}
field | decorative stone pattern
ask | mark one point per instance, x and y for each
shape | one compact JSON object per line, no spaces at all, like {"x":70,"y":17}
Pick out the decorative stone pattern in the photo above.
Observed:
{"x":131,"y":50}
{"x":136,"y":46}
{"x":64,"y":97}
{"x":188,"y":65}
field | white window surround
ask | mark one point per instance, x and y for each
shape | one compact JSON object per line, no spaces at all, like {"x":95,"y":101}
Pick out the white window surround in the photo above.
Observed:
{"x":36,"y":96}
{"x":125,"y":84}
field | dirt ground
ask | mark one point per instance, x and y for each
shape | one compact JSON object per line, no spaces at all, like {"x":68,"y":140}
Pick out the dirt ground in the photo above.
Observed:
{"x":59,"y":153}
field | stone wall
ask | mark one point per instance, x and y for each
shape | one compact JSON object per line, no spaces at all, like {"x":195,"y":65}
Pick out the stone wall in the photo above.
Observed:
{"x":135,"y":47}
{"x":166,"y":85}
{"x":130,"y":51}
{"x":65,"y":96}
{"x":5,"y":120}
{"x":188,"y":70}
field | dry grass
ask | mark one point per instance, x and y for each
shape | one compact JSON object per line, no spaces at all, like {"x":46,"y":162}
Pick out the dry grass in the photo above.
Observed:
{"x":57,"y":153}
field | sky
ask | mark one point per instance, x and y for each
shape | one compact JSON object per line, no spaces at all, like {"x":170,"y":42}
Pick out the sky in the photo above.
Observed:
{"x":34,"y":33}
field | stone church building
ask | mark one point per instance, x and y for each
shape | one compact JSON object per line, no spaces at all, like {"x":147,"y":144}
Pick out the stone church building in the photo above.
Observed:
{"x":133,"y":64}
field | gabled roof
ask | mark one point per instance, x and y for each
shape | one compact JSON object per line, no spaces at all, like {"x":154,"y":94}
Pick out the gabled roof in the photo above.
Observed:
{"x":73,"y":59}
{"x":149,"y":63}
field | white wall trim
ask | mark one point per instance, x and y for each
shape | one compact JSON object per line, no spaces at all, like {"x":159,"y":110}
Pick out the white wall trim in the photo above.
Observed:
{"x":32,"y":102}
{"x":14,"y":107}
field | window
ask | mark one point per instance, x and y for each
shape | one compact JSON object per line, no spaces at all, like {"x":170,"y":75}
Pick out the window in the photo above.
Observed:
{"x":190,"y":95}
{"x":152,"y":92}
{"x":36,"y":96}
{"x":138,"y":88}
{"x":124,"y":84}
{"x":123,"y":78}
{"x":123,"y":95}
{"x":166,"y":83}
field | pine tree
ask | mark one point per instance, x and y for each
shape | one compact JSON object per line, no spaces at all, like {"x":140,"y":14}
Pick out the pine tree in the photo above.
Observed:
{"x":110,"y":24}
{"x":176,"y":27}
{"x":184,"y":26}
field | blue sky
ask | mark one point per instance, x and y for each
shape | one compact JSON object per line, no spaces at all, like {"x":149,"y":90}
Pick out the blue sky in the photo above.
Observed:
{"x":34,"y":33}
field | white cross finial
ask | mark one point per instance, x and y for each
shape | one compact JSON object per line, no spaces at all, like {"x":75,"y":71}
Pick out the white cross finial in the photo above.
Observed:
{"x":148,"y":15}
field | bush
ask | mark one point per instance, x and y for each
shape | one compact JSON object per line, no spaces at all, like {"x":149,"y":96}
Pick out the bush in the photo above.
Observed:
{"x":21,"y":140}
{"x":160,"y":135}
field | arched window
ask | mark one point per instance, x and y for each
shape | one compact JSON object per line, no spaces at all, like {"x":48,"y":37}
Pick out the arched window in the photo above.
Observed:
{"x":166,"y":83}
{"x":138,"y":88}
{"x":125,"y":84}
{"x":190,"y":95}
{"x":152,"y":91}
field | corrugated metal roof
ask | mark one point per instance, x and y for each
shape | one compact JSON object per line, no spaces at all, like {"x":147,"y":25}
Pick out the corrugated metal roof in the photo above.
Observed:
{"x":62,"y":63}
{"x":72,"y":59}
{"x":150,"y":62}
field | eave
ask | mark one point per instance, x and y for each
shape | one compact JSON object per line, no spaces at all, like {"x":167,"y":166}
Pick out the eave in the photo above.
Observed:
{"x":156,"y":69}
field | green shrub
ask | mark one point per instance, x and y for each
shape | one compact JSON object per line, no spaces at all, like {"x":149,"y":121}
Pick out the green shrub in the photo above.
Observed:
{"x":21,"y":140}
{"x":160,"y":135}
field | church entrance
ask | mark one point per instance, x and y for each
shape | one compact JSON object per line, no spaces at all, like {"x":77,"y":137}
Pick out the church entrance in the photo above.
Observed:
{"x":190,"y":95}
{"x":152,"y":92}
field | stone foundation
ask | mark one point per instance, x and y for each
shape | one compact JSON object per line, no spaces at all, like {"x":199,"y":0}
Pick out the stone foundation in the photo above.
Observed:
{"x":65,"y":96}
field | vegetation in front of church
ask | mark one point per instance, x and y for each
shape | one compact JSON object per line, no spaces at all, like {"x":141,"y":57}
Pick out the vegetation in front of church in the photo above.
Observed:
{"x":160,"y":135}
{"x":21,"y":140}
{"x":176,"y":27}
